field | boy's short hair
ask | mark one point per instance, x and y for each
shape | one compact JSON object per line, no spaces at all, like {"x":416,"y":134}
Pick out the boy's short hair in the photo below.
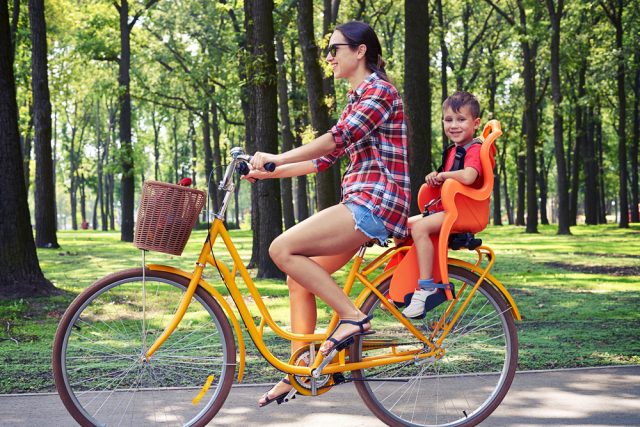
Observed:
{"x":461,"y":98}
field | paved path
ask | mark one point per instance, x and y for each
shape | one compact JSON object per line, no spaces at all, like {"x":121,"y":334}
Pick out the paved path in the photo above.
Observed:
{"x":575,"y":397}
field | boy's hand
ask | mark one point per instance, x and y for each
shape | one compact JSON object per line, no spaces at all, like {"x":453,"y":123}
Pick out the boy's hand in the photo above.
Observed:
{"x":433,"y":180}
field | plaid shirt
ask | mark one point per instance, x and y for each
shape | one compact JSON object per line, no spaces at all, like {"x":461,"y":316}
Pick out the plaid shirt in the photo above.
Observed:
{"x":373,"y":133}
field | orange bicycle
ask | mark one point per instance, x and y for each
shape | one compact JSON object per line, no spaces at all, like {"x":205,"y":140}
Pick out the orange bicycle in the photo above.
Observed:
{"x":155,"y":345}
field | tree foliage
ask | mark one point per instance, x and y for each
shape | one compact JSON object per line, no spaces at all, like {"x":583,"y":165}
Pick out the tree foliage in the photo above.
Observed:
{"x":562,"y":76}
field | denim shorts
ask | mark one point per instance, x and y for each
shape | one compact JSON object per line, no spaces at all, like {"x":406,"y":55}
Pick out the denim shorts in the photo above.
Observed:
{"x":368,"y":223}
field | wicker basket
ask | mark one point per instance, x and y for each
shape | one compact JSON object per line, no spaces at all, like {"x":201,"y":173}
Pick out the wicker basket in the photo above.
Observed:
{"x":166,"y":216}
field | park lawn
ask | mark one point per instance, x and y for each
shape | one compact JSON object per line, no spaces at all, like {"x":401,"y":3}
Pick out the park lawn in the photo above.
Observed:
{"x":578,"y":296}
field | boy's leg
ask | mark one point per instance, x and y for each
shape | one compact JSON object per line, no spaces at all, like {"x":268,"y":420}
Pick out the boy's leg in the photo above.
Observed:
{"x":421,"y":231}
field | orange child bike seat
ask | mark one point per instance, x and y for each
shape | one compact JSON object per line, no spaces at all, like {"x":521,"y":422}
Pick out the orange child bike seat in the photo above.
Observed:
{"x":466,"y":209}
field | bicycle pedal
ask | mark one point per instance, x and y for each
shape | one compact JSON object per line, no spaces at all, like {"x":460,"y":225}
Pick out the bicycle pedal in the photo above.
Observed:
{"x":290,"y":396}
{"x":343,"y":345}
{"x":338,"y":378}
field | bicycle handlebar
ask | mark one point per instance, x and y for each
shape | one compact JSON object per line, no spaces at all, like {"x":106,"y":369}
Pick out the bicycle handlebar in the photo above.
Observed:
{"x":239,"y":163}
{"x":243,"y":168}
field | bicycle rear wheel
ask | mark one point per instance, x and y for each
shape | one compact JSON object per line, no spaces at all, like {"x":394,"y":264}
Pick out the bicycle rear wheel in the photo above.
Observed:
{"x":460,"y":389}
{"x":98,"y":362}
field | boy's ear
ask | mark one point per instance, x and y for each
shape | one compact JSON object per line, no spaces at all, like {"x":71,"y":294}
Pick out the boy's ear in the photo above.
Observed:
{"x":476,"y":123}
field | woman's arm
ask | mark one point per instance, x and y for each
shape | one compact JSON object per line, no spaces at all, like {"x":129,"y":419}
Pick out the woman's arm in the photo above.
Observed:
{"x":322,"y":145}
{"x":283,"y":171}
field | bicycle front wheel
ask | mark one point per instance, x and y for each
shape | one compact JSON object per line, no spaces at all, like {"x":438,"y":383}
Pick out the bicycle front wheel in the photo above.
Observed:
{"x":98,"y":354}
{"x":462,"y":387}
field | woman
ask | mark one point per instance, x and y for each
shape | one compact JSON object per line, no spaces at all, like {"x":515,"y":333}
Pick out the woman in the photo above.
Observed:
{"x":375,"y":190}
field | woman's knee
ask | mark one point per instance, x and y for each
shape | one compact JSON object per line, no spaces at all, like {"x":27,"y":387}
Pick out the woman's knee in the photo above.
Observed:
{"x":278,"y":250}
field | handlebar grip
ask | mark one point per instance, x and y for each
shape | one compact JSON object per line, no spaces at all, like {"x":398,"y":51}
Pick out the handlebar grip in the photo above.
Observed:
{"x":242,"y":168}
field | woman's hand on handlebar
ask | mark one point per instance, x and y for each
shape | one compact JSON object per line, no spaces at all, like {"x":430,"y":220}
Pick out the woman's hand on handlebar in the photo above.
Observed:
{"x":260,"y":159}
{"x":255,"y":174}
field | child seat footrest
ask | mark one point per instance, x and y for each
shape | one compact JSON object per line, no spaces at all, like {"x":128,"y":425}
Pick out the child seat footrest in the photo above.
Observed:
{"x":464,"y":240}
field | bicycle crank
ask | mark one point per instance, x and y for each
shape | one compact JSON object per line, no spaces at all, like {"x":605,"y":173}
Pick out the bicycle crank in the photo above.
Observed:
{"x":310,"y":386}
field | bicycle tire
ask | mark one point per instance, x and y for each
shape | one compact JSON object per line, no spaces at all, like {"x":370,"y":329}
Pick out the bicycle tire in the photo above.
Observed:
{"x":98,"y":367}
{"x":463,"y":387}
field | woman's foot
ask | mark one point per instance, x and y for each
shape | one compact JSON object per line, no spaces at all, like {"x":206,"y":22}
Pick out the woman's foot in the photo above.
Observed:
{"x":277,"y":393}
{"x":346,"y":328}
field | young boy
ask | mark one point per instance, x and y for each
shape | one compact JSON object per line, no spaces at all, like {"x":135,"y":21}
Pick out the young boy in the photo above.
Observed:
{"x":461,"y":119}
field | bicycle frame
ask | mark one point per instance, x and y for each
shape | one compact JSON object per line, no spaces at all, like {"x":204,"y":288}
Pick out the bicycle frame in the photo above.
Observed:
{"x":218,"y":229}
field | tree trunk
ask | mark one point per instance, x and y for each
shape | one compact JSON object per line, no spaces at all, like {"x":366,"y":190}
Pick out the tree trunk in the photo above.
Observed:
{"x":176,"y":172}
{"x":520,"y":172}
{"x":562,"y":183}
{"x":329,"y":17}
{"x":326,"y":191}
{"x":529,"y":52}
{"x":444,"y":60}
{"x":635,"y":187}
{"x":73,"y":179}
{"x":578,"y":147}
{"x":287,"y":135}
{"x":217,"y":157}
{"x":109,"y":157}
{"x":602,"y":205}
{"x":26,"y":143}
{"x":542,"y":177}
{"x":20,"y":274}
{"x":194,"y":150}
{"x":493,"y":87}
{"x":99,"y":171}
{"x":127,"y":182}
{"x":208,"y":156}
{"x":417,"y":94}
{"x":45,"y":186}
{"x":156,"y":144}
{"x":263,"y":82}
{"x":14,"y":30}
{"x":590,"y":170}
{"x":507,"y":199}
{"x":83,"y":200}
{"x":623,"y":201}
{"x":302,"y":206}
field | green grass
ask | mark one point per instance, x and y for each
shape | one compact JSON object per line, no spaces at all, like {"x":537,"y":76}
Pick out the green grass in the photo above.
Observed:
{"x":578,"y":295}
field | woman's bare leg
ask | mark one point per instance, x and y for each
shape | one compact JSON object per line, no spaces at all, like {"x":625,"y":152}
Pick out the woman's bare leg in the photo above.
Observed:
{"x":303,"y":302}
{"x":303,"y":311}
{"x":328,"y":232}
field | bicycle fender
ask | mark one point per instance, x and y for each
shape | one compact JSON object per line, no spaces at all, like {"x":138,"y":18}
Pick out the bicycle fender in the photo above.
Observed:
{"x":220,"y":300}
{"x":492,"y":281}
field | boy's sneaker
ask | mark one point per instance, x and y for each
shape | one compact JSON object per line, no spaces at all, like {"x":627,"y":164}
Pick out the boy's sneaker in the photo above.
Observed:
{"x":416,"y":308}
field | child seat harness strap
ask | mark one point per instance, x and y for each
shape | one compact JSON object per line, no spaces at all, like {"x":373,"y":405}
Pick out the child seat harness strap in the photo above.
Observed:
{"x":458,"y":164}
{"x":461,"y":152}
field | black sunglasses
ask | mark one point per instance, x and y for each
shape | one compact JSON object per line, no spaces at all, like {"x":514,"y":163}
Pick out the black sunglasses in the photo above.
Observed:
{"x":332,"y":49}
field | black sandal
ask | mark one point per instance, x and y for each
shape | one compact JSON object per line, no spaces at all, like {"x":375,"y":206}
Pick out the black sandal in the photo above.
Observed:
{"x":281,"y":398}
{"x":348,"y":340}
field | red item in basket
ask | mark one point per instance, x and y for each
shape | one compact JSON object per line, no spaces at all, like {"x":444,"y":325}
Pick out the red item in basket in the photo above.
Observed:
{"x":185,"y":182}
